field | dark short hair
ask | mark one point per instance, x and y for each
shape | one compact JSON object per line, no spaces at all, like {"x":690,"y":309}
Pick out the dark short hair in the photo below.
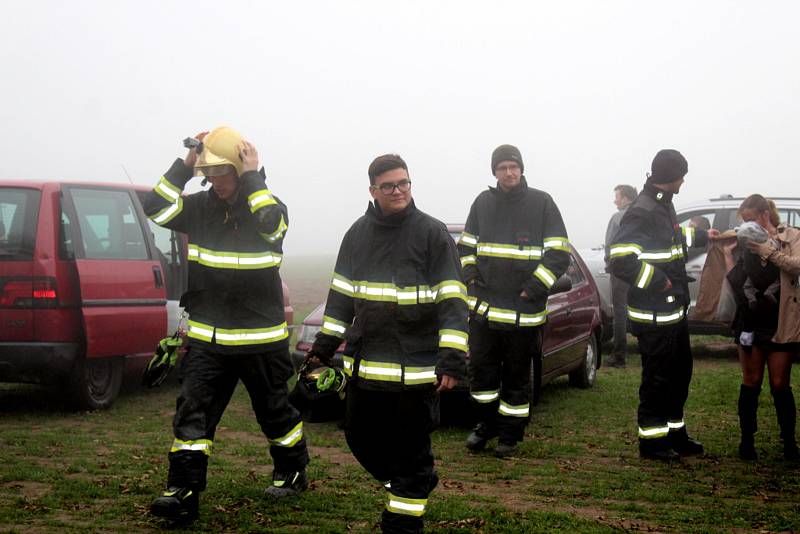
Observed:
{"x":385,"y":163}
{"x":627,"y":191}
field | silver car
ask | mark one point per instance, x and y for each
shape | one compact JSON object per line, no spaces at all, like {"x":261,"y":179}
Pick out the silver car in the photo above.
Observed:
{"x":720,"y":213}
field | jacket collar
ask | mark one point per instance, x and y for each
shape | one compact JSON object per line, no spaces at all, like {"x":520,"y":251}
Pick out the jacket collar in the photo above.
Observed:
{"x":514,"y":194}
{"x":660,"y":196}
{"x":375,"y":214}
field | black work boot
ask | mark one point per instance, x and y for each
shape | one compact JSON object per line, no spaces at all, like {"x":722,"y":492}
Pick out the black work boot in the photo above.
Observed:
{"x":786,"y":411}
{"x":748,"y":421}
{"x":658,"y":449}
{"x":480,"y":435}
{"x":287,"y":484}
{"x":177,"y":504}
{"x":684,"y":445}
{"x":505,"y":449}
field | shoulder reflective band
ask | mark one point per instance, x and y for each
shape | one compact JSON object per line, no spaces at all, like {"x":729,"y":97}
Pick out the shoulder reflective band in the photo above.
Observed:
{"x":485,"y":397}
{"x":556,"y":243}
{"x":689,"y":235}
{"x":404,"y":505}
{"x":277,"y":234}
{"x":662,"y":318}
{"x":385,"y":372}
{"x":289,"y":439}
{"x":545,"y":275}
{"x":201,"y":445}
{"x":514,"y":252}
{"x":419,"y":375}
{"x":333,"y":327}
{"x":453,"y":339}
{"x":233,"y":260}
{"x":468,"y":240}
{"x":653,"y":432}
{"x":171,"y":194}
{"x":239,"y":336}
{"x":519,"y":410}
{"x":468,"y":260}
{"x":259,"y":199}
{"x":645,"y":275}
{"x":623,"y":249}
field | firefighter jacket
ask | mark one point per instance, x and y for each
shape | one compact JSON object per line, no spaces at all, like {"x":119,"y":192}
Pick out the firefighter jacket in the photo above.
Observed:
{"x":235,"y":294}
{"x":649,"y":248}
{"x":513,"y":241}
{"x":397,"y":298}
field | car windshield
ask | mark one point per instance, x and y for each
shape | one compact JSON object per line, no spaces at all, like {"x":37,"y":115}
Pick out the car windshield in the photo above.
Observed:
{"x":19,"y":212}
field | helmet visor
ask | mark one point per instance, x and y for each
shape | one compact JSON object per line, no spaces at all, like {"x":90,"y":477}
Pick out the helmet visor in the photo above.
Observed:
{"x":214,"y":170}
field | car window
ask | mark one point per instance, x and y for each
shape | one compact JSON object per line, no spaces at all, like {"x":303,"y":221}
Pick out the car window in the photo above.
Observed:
{"x":574,"y":272}
{"x":790,"y":217}
{"x":109,"y":225}
{"x":698,"y":219}
{"x":19,"y":212}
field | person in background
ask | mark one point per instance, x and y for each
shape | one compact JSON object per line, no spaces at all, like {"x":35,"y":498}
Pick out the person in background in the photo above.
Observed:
{"x":649,"y":252}
{"x":770,"y":329}
{"x":513,"y":249}
{"x":623,"y":196}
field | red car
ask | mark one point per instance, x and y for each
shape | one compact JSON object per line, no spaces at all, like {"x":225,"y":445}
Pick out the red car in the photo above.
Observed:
{"x":572,"y":334}
{"x":88,"y":286}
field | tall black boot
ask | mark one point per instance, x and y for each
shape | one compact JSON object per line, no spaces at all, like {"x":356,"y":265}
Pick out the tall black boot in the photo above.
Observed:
{"x":787,"y":416}
{"x":748,"y":421}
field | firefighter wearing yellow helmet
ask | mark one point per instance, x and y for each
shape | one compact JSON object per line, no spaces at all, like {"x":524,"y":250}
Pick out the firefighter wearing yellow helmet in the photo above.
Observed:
{"x":237,"y":328}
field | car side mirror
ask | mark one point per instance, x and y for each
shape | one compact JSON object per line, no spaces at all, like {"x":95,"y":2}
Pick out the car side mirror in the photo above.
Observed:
{"x":562,"y":285}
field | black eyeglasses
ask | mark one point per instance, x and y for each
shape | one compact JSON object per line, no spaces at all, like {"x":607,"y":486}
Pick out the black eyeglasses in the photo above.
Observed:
{"x":388,"y":188}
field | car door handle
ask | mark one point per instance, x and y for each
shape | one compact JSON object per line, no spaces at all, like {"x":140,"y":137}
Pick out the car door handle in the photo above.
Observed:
{"x":158,"y":278}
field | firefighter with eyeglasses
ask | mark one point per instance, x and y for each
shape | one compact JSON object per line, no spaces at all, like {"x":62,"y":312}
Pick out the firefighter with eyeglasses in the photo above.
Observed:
{"x":237,"y":326}
{"x":397,"y":298}
{"x":649,"y":253}
{"x":513,"y":250}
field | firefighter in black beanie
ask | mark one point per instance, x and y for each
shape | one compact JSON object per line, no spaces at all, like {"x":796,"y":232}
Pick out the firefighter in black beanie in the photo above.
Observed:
{"x":649,"y":252}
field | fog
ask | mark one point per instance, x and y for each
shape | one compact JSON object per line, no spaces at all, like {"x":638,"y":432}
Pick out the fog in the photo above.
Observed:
{"x":589,"y":91}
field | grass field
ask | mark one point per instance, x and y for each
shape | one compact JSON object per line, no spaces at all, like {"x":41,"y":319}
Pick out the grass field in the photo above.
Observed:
{"x":577,"y":470}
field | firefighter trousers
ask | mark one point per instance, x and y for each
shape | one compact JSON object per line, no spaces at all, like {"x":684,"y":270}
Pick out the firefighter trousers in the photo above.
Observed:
{"x":500,"y":377}
{"x":389,"y":434}
{"x":207,"y":381}
{"x":666,"y":374}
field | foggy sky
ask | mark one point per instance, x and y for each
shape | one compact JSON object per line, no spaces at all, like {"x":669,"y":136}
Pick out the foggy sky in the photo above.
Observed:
{"x":588,"y":91}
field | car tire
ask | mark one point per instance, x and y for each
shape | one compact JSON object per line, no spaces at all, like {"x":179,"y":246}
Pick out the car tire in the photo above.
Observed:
{"x":95,"y":382}
{"x":583,"y":376}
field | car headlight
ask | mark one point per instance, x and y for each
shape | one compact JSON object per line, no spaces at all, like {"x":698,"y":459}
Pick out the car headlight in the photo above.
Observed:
{"x":308,"y":333}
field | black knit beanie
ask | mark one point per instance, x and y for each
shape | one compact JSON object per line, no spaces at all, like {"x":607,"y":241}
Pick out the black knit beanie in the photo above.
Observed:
{"x":507,"y":153}
{"x":668,"y":166}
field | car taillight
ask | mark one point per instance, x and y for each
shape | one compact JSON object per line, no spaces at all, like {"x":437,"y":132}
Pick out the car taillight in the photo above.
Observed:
{"x":28,"y":293}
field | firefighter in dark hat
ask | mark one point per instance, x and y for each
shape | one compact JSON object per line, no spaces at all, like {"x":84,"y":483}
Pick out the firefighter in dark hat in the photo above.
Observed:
{"x":237,"y":327}
{"x":649,"y":252}
{"x":513,"y":249}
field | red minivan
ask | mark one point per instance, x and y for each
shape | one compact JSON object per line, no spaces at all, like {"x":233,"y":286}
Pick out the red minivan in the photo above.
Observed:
{"x":88,"y":286}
